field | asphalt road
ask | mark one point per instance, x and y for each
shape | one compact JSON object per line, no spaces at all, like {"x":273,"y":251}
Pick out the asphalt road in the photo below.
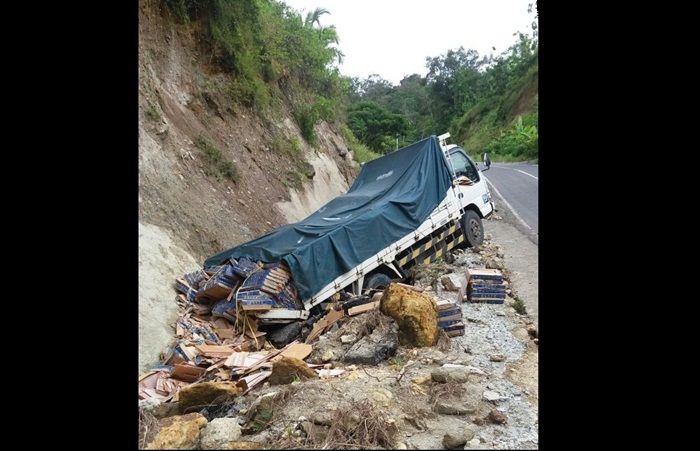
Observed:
{"x":516,"y":188}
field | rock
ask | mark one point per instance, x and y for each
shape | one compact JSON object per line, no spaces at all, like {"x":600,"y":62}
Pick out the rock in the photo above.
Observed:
{"x":166,"y":409}
{"x":493,"y":396}
{"x":448,"y":407}
{"x":500,"y":313}
{"x":400,"y":445}
{"x":532,"y":330}
{"x":497,"y":417}
{"x":327,"y":355}
{"x":350,"y":338}
{"x":420,"y":380}
{"x":284,"y":335}
{"x":205,"y":393}
{"x":162,"y":129}
{"x":473,"y":443}
{"x":458,"y":438}
{"x":497,"y":357}
{"x":322,"y":418}
{"x":220,"y":433}
{"x":536,"y":341}
{"x":149,"y":405}
{"x":259,"y":413}
{"x":288,"y":369}
{"x":453,"y":282}
{"x":414,"y":312}
{"x":382,"y":396}
{"x":372,"y":349}
{"x":178,"y":432}
{"x":434,"y":356}
{"x":457,"y":373}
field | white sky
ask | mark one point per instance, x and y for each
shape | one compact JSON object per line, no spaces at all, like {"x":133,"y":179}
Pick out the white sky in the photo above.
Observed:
{"x":393,"y":37}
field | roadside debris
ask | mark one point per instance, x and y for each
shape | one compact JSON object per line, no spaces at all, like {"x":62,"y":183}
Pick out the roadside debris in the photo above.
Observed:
{"x":224,"y":351}
{"x":486,"y":285}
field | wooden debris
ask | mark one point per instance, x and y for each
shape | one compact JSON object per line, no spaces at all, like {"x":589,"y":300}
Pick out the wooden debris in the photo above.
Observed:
{"x":363,"y":308}
{"x":215,"y":350}
{"x":410,"y":287}
{"x":255,"y":379}
{"x":324,"y":323}
{"x":187,"y":373}
{"x":298,"y":350}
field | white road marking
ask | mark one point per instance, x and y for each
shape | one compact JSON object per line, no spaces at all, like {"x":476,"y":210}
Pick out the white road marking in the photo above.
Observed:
{"x":527,"y":174}
{"x":515,"y":213}
{"x":513,"y":169}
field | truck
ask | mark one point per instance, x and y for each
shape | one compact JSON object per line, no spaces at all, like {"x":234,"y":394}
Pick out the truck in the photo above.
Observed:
{"x":406,"y":208}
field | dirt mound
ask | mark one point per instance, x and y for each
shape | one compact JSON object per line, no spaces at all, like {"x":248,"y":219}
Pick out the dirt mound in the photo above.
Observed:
{"x":414,"y":312}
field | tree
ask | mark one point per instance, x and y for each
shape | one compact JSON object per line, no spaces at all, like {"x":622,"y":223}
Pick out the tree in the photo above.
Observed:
{"x":375,"y":126}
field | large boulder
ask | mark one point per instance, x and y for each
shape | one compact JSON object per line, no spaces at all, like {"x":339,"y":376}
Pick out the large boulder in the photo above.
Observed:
{"x":206,"y":393}
{"x":287,"y":369}
{"x":178,"y":432}
{"x":414,"y":312}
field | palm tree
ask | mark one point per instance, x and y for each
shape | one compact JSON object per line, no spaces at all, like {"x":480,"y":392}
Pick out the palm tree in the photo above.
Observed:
{"x":313,"y":17}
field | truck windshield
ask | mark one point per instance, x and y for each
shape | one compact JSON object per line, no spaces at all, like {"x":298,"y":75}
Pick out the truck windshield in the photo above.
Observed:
{"x":463,"y":165}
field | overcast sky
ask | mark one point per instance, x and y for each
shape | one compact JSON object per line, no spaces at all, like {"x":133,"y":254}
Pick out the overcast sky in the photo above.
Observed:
{"x":393,"y":37}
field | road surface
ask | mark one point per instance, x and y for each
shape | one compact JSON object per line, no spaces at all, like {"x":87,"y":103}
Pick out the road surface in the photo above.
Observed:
{"x":515,"y":186}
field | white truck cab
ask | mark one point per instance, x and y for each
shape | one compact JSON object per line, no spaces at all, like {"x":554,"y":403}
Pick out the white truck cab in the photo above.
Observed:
{"x":470,"y":189}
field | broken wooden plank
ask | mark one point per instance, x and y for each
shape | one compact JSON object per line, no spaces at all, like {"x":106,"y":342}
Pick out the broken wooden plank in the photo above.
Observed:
{"x":190,"y":351}
{"x":410,"y":287}
{"x":270,"y":356}
{"x":255,"y":379}
{"x":215,"y":350}
{"x":225,"y":333}
{"x":245,"y":359}
{"x":298,"y":350}
{"x":187,"y":373}
{"x":218,"y":364}
{"x":363,"y":308}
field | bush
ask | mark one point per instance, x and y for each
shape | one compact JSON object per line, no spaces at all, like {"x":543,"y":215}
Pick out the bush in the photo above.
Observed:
{"x":288,"y":146}
{"x":307,"y":116}
{"x":216,"y":165}
{"x":360,"y":152}
{"x":521,"y":142}
{"x":519,"y":306}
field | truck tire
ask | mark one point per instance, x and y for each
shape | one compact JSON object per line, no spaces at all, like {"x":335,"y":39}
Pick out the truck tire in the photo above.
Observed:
{"x":472,"y":228}
{"x":377,"y":280}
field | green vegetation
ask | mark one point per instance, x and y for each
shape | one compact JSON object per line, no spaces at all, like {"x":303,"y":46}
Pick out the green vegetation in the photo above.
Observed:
{"x":519,"y":306}
{"x":486,"y":103}
{"x":288,"y":146}
{"x":153,"y":113}
{"x":294,"y":179}
{"x":360,"y":152}
{"x":273,"y":55}
{"x":269,"y":50}
{"x":216,"y":165}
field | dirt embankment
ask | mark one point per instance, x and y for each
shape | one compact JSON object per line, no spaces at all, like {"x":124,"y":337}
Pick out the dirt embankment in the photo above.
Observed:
{"x":182,"y":100}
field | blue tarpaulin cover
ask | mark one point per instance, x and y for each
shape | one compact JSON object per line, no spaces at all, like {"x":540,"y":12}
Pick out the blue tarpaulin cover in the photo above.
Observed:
{"x":390,"y":198}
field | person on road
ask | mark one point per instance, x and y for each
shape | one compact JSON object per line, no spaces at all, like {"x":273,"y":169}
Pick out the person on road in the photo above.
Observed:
{"x":486,"y":159}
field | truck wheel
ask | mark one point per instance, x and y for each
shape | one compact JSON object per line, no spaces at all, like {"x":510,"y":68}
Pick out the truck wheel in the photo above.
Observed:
{"x":377,"y":280}
{"x":472,"y":228}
